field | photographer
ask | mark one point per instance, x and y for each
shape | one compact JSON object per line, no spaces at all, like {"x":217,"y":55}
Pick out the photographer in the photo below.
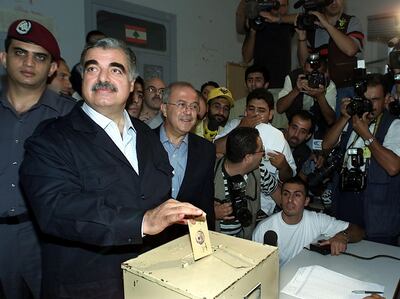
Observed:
{"x":367,"y":189}
{"x":268,"y":36}
{"x":310,"y":89}
{"x":237,"y":183}
{"x":339,"y":37}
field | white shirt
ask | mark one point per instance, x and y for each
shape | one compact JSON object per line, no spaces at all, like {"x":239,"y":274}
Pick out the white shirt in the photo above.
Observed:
{"x":308,"y":101}
{"x":293,"y":238}
{"x":273,"y":140}
{"x":125,"y":142}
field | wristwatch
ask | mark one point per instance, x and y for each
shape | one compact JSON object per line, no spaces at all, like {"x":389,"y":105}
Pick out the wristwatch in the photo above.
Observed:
{"x":367,"y":142}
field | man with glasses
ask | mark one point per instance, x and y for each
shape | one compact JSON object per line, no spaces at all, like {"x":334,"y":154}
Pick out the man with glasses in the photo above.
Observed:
{"x":279,"y":159}
{"x":219,"y":104}
{"x":192,"y":157}
{"x":153,"y":93}
{"x":237,"y":183}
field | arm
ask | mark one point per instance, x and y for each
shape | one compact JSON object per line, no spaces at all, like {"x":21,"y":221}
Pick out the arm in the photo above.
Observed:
{"x":333,"y":134}
{"x":386,"y":158}
{"x":241,"y":17}
{"x":345,"y":43}
{"x":319,"y":95}
{"x":288,"y":94}
{"x":352,"y":234}
{"x":248,"y":46}
{"x":302,"y":48}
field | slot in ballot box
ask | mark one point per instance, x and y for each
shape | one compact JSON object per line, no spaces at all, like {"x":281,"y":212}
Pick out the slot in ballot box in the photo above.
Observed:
{"x":237,"y":268}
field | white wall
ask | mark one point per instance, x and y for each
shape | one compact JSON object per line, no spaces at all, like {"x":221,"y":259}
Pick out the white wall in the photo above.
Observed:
{"x":206,"y":34}
{"x":364,"y":8}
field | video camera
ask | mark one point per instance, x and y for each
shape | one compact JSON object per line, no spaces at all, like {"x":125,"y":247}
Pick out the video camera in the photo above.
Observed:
{"x":253,"y":9}
{"x":238,"y":198}
{"x":359,"y":104}
{"x":354,"y":179}
{"x":315,"y":78}
{"x":305,"y":21}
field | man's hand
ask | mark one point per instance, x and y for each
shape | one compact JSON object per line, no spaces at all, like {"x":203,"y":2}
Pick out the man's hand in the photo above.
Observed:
{"x":322,"y":20}
{"x":338,"y":243}
{"x":270,"y":17}
{"x":361,"y":125}
{"x":301,"y":83}
{"x":168,"y":213}
{"x":251,"y":121}
{"x":343,"y":108}
{"x":223,"y":210}
{"x":317,"y":93}
{"x":278,"y":160}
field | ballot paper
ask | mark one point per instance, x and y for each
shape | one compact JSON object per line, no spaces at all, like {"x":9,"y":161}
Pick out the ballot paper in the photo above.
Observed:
{"x":199,"y":237}
{"x":316,"y":282}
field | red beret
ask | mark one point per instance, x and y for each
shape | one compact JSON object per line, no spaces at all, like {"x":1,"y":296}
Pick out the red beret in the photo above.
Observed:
{"x":31,"y":31}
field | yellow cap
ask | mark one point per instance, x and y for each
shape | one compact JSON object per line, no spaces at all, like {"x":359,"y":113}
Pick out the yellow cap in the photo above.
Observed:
{"x":222,"y":92}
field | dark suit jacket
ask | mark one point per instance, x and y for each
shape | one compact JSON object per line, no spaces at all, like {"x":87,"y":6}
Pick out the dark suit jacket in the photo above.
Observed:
{"x":198,"y":183}
{"x":90,"y":202}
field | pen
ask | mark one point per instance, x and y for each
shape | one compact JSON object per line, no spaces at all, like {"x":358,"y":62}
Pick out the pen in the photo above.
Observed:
{"x":366,"y":292}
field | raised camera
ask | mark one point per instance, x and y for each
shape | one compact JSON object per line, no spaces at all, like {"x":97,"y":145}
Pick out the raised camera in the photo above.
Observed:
{"x":253,"y":9}
{"x":315,"y":78}
{"x":305,"y":21}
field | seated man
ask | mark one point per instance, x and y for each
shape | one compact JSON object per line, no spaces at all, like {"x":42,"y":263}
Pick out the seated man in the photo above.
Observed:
{"x":219,"y":104}
{"x":279,"y":160}
{"x":297,"y":227}
{"x":303,"y":91}
{"x":237,"y":183}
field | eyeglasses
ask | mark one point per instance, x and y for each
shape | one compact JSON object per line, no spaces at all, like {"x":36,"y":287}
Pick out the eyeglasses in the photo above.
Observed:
{"x":260,"y":151}
{"x":153,"y":89}
{"x":182,"y":106}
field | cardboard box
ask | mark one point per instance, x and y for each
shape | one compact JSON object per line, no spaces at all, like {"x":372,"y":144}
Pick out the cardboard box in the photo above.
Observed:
{"x":237,"y":268}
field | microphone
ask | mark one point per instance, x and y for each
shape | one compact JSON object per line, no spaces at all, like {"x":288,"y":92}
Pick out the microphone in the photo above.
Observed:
{"x":271,"y":238}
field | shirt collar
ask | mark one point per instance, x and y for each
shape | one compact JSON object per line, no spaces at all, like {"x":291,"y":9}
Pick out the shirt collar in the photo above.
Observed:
{"x":164,"y":138}
{"x":104,"y":121}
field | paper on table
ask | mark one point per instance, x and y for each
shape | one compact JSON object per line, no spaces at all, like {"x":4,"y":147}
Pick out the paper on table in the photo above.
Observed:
{"x":316,"y":282}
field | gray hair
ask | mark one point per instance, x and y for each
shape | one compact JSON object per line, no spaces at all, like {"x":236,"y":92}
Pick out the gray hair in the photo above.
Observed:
{"x":169,"y":89}
{"x":113,"y":43}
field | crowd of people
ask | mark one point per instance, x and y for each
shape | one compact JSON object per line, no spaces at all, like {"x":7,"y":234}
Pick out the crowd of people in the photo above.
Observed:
{"x":100,"y":164}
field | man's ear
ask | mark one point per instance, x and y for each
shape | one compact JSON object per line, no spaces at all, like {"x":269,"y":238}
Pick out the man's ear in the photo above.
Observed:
{"x":3,"y":59}
{"x":266,"y":85}
{"x":388,"y":99}
{"x":271,"y":115}
{"x":307,"y":201}
{"x":163,"y":109}
{"x":132,"y":85}
{"x":53,"y":69}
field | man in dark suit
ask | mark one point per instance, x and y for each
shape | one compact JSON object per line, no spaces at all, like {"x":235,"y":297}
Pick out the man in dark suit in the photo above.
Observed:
{"x":90,"y":177}
{"x":191,"y":156}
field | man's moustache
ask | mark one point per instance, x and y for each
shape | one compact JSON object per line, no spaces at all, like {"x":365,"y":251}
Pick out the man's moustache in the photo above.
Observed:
{"x":104,"y":85}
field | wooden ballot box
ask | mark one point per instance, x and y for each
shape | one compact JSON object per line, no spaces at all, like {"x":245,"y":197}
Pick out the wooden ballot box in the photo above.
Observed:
{"x":237,"y":268}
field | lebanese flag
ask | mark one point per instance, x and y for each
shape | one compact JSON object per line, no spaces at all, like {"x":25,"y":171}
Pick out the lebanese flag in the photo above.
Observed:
{"x":136,"y":34}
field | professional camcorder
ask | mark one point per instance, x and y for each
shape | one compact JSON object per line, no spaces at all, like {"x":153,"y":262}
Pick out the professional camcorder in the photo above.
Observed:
{"x":305,"y":21}
{"x":253,"y":9}
{"x":354,"y":179}
{"x":315,"y":78}
{"x":359,"y":104}
{"x":238,"y":198}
